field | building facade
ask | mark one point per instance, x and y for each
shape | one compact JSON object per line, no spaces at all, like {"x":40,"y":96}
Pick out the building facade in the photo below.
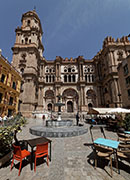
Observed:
{"x":124,"y":80}
{"x":10,"y":82}
{"x":81,"y":83}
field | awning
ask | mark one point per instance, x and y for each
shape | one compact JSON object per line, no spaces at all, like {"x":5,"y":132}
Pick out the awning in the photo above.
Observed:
{"x":100,"y":110}
{"x":107,"y":111}
{"x":119,"y":110}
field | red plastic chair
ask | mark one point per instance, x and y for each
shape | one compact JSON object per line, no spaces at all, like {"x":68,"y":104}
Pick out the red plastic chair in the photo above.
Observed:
{"x":41,"y":151}
{"x":19,"y":155}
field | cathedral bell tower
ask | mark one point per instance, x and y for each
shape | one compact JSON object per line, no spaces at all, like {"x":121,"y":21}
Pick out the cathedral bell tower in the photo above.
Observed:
{"x":27,"y":53}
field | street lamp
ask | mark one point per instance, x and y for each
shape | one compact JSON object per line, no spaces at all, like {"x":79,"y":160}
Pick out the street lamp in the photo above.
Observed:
{"x":51,"y":107}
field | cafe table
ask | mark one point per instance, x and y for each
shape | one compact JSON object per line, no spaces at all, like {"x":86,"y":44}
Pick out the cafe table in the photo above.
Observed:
{"x":127,"y":132}
{"x":33,"y":143}
{"x":107,"y":142}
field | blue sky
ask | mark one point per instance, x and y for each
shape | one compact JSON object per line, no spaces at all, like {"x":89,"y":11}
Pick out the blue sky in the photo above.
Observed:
{"x":71,"y":27}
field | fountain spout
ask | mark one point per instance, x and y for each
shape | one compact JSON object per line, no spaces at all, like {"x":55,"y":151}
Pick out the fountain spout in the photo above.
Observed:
{"x":59,"y":104}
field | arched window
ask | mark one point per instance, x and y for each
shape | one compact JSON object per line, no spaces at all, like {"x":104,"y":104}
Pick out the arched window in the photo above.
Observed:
{"x":70,"y":92}
{"x":22,"y":70}
{"x":65,"y":78}
{"x":22,"y":41}
{"x":69,"y":69}
{"x":73,"y":70}
{"x":53,"y":78}
{"x":89,"y":80}
{"x":50,"y":78}
{"x":49,"y":94}
{"x":47,"y":70}
{"x":26,"y":40}
{"x":28,"y":22}
{"x":73,"y":78}
{"x":69,"y":78}
{"x":29,"y":40}
{"x":92,"y":78}
{"x":46,"y":78}
{"x":86,"y":78}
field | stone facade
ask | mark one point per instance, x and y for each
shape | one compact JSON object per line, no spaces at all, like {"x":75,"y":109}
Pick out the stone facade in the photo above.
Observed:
{"x":82,"y":83}
{"x":107,"y":79}
{"x":124,"y":74}
{"x":10,"y":82}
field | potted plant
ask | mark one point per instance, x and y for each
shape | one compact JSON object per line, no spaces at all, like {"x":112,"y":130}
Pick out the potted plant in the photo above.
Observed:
{"x":6,"y":137}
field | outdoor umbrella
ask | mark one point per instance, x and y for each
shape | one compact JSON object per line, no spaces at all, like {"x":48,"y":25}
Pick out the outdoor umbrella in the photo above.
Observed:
{"x":119,"y":110}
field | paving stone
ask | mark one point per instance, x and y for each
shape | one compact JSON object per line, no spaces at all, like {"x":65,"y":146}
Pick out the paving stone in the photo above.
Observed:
{"x":70,"y":160}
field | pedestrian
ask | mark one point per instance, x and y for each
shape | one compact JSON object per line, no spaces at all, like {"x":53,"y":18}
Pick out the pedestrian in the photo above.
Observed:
{"x":0,"y":120}
{"x":77,"y":118}
{"x":5,"y":118}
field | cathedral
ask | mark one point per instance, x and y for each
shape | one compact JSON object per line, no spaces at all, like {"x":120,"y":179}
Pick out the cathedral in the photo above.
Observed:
{"x":81,"y":83}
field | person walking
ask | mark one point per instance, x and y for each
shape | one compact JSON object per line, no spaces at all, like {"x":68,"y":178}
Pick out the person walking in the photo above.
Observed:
{"x":77,"y":118}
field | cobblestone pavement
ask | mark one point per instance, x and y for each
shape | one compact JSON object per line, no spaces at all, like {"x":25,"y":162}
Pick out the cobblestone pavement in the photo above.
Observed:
{"x":70,"y":160}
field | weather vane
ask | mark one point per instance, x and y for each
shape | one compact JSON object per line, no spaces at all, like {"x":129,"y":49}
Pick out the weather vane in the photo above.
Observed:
{"x":35,"y":8}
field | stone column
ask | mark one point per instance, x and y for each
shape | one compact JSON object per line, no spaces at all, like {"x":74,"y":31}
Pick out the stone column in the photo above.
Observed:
{"x":60,"y":71}
{"x":80,"y":98}
{"x":80,"y":73}
{"x":41,"y":70}
{"x":40,"y":98}
{"x":17,"y":38}
{"x":43,"y":98}
{"x":114,"y":61}
{"x":56,"y":72}
{"x":115,"y":90}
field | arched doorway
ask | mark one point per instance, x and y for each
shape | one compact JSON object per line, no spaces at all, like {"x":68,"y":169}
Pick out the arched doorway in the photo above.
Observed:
{"x":90,"y":106}
{"x":49,"y":100}
{"x":91,"y":98}
{"x":69,"y":106}
{"x":70,"y":97}
{"x":49,"y":107}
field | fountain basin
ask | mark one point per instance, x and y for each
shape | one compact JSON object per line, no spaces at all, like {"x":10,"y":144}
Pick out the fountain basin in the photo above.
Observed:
{"x":55,"y":123}
{"x":58,"y":132}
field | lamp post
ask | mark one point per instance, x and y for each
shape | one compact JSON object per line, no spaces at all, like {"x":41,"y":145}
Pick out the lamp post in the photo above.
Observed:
{"x":51,"y":108}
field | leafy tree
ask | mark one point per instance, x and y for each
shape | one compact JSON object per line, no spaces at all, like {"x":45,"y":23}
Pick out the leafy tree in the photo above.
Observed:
{"x":7,"y":133}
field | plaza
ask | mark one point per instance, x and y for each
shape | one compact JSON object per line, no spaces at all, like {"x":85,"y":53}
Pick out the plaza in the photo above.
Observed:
{"x":72,"y":159}
{"x":82,"y":84}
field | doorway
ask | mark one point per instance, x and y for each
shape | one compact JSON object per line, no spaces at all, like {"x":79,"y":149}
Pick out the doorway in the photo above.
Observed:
{"x":69,"y":106}
{"x":49,"y":107}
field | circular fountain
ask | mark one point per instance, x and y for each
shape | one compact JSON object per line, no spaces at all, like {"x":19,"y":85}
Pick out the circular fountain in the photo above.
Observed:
{"x":59,"y":122}
{"x":58,"y":127}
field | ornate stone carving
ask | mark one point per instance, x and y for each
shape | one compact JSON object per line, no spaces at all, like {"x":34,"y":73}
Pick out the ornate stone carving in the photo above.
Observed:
{"x":49,"y":94}
{"x":70,"y":92}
